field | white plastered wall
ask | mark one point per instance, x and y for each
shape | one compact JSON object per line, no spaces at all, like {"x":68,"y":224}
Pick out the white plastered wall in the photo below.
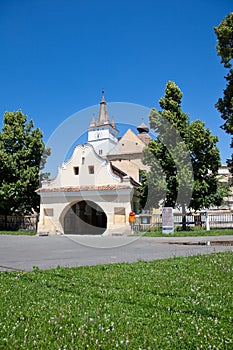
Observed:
{"x":56,"y":199}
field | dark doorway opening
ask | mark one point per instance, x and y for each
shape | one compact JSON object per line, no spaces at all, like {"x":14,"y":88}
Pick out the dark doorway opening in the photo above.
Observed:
{"x":85,"y":218}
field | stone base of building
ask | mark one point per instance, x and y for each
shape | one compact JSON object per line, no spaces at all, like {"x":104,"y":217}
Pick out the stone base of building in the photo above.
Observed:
{"x":118,"y":230}
{"x":114,"y":230}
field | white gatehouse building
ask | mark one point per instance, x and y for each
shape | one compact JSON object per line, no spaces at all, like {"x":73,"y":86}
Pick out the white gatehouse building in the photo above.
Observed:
{"x":96,"y":189}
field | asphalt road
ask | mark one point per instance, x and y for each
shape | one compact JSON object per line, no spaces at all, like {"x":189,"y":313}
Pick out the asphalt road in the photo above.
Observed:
{"x":24,"y":252}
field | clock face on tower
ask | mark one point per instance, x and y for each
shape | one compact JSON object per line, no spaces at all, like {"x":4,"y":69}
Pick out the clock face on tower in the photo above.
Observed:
{"x":98,"y":134}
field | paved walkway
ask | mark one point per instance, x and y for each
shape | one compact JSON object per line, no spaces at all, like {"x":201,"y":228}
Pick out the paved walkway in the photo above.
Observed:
{"x":24,"y":252}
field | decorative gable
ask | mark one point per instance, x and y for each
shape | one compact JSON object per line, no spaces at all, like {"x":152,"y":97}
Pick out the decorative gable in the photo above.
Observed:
{"x":84,"y":168}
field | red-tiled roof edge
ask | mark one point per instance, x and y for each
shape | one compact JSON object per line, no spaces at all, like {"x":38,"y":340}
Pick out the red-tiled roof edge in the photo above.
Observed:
{"x":83,"y":188}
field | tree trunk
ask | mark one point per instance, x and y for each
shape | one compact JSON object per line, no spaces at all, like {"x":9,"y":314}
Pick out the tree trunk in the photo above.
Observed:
{"x":184,"y":225}
{"x":5,"y":221}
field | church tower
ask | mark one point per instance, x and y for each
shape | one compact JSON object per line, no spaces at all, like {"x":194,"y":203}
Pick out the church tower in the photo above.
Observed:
{"x":102,"y":134}
{"x":143,"y":133}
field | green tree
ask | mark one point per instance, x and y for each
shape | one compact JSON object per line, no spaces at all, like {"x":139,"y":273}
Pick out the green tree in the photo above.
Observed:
{"x":184,"y":158}
{"x":207,"y":190}
{"x":224,"y":33}
{"x":22,"y":156}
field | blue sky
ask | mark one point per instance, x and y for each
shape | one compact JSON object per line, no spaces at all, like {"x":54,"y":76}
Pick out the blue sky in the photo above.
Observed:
{"x":56,"y":55}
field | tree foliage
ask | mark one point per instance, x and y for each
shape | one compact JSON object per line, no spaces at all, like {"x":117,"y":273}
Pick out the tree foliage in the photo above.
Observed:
{"x":224,"y":33}
{"x":184,"y":158}
{"x":22,"y":156}
{"x":207,"y":190}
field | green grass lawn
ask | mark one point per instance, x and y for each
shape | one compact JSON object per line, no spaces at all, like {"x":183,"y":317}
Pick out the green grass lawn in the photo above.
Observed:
{"x":152,"y":233}
{"x":195,"y":232}
{"x":179,"y":303}
{"x":18,"y":233}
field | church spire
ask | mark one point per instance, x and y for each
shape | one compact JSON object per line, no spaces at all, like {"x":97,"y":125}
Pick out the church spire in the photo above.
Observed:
{"x":103,"y":99}
{"x":102,"y":133}
{"x":103,"y":117}
{"x":142,"y":128}
{"x":113,"y":123}
{"x":92,"y":123}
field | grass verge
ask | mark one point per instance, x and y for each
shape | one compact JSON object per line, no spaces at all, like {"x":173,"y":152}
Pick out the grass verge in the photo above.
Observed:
{"x":18,"y":233}
{"x":192,"y":233}
{"x":180,"y":303}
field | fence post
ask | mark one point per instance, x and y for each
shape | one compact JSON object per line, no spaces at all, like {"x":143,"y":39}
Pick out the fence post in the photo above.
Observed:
{"x":207,"y":221}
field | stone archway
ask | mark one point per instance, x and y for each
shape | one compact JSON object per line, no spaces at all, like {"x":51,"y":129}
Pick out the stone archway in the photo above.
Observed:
{"x":85,"y":217}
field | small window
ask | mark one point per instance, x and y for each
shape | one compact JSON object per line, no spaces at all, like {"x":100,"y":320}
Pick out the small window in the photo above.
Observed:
{"x":48,"y":212}
{"x":119,"y":216}
{"x":76,"y":170}
{"x":100,"y":152}
{"x":119,"y":211}
{"x":91,"y":169}
{"x":83,"y":160}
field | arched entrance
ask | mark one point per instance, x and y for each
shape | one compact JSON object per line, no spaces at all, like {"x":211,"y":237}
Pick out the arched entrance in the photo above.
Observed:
{"x":85,"y":217}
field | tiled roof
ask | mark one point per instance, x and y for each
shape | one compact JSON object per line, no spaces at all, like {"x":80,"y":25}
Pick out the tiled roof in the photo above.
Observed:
{"x":145,"y":138}
{"x":129,"y":143}
{"x":83,"y":188}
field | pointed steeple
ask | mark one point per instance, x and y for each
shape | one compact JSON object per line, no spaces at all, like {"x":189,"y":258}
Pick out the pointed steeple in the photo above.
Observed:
{"x":142,"y":128}
{"x":103,"y":99}
{"x":102,"y":133}
{"x":103,"y":117}
{"x":92,"y":123}
{"x":143,"y":133}
{"x":113,"y":123}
